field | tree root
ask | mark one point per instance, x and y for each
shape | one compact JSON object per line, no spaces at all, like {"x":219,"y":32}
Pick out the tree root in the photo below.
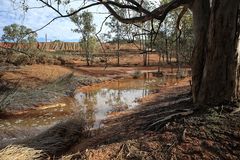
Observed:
{"x":162,"y":121}
{"x":236,"y":111}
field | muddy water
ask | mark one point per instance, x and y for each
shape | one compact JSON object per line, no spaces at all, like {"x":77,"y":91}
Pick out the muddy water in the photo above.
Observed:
{"x":23,"y":125}
{"x":114,"y":97}
{"x":94,"y":103}
{"x":97,"y":103}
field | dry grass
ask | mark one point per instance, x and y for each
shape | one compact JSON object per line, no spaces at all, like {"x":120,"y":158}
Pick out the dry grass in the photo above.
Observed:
{"x":18,"y":152}
{"x":25,"y":98}
{"x":53,"y":142}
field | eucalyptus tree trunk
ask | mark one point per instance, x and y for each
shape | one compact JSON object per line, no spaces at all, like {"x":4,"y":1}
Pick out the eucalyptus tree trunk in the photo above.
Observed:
{"x":237,"y":88}
{"x":215,"y":56}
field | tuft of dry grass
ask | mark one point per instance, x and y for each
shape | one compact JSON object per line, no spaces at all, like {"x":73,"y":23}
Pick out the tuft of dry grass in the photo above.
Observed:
{"x":52,"y":142}
{"x":19,"y":152}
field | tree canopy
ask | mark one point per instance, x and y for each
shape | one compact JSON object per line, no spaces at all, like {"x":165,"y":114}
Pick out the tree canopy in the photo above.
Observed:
{"x":18,"y":33}
{"x":85,"y":26}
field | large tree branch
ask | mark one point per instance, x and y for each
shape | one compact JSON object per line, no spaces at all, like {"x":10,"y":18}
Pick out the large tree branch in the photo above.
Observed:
{"x":134,"y":2}
{"x":127,"y":20}
{"x":158,"y":13}
{"x":138,"y":8}
{"x":181,"y":14}
{"x":163,"y":10}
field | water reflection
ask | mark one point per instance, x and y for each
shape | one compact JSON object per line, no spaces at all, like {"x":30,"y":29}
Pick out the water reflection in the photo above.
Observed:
{"x":114,"y":97}
{"x":46,"y":115}
{"x":94,"y":104}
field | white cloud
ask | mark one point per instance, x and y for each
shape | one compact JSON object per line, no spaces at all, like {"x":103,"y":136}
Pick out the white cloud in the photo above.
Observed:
{"x":36,"y":18}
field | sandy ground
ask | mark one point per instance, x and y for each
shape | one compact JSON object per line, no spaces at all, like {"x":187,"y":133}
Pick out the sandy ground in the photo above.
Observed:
{"x":38,"y":74}
{"x":35,"y":75}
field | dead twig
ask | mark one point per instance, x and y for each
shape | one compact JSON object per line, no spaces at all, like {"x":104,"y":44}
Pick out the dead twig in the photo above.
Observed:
{"x":121,"y":150}
{"x":183,"y":138}
{"x":171,"y":146}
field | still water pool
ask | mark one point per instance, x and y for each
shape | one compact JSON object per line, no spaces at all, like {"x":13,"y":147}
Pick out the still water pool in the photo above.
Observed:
{"x":93,"y":103}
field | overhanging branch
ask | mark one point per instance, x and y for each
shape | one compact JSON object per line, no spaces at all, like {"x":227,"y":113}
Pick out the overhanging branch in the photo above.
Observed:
{"x":158,"y":13}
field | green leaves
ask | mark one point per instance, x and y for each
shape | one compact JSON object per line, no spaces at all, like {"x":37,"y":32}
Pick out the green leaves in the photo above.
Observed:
{"x":18,"y":33}
{"x":84,"y":23}
{"x":85,"y":26}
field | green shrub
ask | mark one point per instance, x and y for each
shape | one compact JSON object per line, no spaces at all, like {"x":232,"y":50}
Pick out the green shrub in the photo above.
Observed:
{"x":19,"y":59}
{"x":33,"y":57}
{"x":44,"y":58}
{"x":58,"y":53}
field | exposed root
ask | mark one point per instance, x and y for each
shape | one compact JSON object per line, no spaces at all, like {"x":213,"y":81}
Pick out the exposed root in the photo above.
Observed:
{"x":236,"y":111}
{"x":163,"y":120}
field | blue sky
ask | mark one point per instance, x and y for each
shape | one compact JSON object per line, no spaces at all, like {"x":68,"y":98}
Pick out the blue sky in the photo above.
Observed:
{"x":35,"y":18}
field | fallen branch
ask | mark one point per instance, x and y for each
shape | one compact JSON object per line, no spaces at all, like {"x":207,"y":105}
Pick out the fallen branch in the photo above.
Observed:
{"x":161,"y":113}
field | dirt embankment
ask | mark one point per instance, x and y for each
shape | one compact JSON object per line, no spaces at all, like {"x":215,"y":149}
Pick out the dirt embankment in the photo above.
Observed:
{"x":144,"y":134}
{"x":29,"y":86}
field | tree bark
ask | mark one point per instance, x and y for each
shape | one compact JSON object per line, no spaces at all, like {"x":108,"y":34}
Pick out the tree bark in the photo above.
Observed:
{"x":237,"y":88}
{"x":201,"y":12}
{"x":215,"y":57}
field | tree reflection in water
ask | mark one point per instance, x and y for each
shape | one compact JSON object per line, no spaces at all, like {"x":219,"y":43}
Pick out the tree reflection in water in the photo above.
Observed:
{"x":118,"y":96}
